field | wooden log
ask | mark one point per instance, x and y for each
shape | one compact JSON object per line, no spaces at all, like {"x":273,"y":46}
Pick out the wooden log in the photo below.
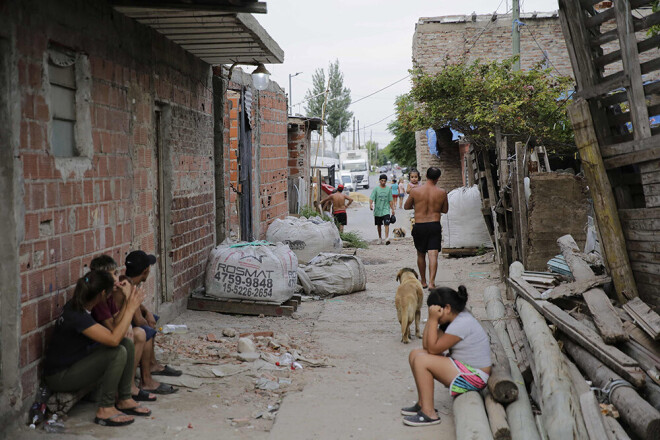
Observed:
{"x":615,"y":431}
{"x":579,"y":267}
{"x":519,"y":413}
{"x":499,"y":427}
{"x":609,"y":225}
{"x":642,"y":418}
{"x":605,"y":317}
{"x":470,"y":417}
{"x":642,"y":338}
{"x":575,"y":288}
{"x":519,"y":182}
{"x":500,"y":384}
{"x":560,"y":407}
{"x":593,"y":418}
{"x":520,"y":345}
{"x":644,"y":317}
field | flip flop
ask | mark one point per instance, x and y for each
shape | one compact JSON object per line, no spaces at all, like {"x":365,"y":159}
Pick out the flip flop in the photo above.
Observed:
{"x":167,"y":371}
{"x":143,"y":396}
{"x":163,"y":388}
{"x":134,"y":412}
{"x":110,"y":422}
{"x":424,"y":286}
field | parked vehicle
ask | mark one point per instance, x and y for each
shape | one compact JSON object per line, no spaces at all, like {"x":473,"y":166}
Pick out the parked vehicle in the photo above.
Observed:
{"x":357,"y":163}
{"x":346,"y":180}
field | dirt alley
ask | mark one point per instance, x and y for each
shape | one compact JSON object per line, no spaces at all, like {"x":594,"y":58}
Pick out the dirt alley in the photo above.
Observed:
{"x":357,"y":397}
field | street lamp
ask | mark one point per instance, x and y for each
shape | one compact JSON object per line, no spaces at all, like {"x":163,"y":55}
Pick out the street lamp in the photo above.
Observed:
{"x":260,"y":77}
{"x":291,"y":94}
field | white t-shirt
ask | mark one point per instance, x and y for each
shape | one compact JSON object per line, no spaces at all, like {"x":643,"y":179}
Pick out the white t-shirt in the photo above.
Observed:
{"x":474,"y":347}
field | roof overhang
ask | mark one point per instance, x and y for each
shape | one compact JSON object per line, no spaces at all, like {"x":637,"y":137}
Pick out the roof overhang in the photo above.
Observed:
{"x":206,"y":30}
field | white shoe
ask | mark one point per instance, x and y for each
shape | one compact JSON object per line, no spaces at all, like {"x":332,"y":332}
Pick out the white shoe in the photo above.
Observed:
{"x":380,"y":241}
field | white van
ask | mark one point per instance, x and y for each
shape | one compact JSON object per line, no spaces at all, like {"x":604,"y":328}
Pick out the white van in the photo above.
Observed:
{"x":346,"y":180}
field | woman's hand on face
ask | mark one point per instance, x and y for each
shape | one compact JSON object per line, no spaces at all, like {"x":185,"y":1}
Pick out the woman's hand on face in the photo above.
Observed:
{"x":435,"y":312}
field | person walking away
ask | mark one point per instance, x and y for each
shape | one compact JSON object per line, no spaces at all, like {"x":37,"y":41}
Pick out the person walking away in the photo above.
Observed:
{"x":338,"y":200}
{"x":402,"y":192}
{"x":468,"y":366}
{"x":429,"y":202}
{"x":82,"y":352}
{"x":381,"y":203}
{"x":395,"y":191}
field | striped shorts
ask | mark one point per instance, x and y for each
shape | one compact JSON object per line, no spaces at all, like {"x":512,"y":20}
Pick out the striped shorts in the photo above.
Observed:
{"x":468,"y":379}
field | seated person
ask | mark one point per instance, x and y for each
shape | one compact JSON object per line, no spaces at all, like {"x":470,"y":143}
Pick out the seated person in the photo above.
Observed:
{"x":110,"y":312}
{"x":82,"y":352}
{"x":468,"y":365}
{"x":138,"y":266}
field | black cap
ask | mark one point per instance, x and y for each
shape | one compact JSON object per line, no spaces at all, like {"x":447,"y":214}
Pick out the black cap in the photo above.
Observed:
{"x":137,"y":262}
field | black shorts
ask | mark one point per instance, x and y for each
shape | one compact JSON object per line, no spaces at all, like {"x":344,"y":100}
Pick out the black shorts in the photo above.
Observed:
{"x":427,"y":236}
{"x":384,"y":220}
{"x":340,"y":218}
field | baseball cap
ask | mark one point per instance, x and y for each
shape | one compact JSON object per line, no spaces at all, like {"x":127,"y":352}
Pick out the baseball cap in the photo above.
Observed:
{"x":137,"y":262}
{"x":340,"y":186}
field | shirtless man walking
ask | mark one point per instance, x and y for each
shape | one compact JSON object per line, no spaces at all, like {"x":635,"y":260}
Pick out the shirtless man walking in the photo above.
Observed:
{"x":429,"y":202}
{"x":338,"y":200}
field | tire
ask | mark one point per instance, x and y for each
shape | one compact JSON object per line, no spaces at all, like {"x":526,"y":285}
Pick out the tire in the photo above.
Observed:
{"x":366,"y":186}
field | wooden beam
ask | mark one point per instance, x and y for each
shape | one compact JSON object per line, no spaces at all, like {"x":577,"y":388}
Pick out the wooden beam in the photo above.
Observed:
{"x":640,"y":24}
{"x":575,"y":288}
{"x":613,"y":241}
{"x":521,"y":165}
{"x":635,"y":411}
{"x":500,"y":383}
{"x":630,"y":59}
{"x":499,"y":427}
{"x":605,"y":317}
{"x":603,"y":87}
{"x":643,"y":316}
{"x":519,"y":413}
{"x":247,"y":6}
{"x":470,"y":417}
{"x":559,"y":404}
{"x":645,"y":153}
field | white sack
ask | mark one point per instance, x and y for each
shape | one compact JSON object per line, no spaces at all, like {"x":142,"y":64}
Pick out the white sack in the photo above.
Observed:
{"x":463,"y":226}
{"x":306,"y":237}
{"x":264,"y":272}
{"x":336,"y":274}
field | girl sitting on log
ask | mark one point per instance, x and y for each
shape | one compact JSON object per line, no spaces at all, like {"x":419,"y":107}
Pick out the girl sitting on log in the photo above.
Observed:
{"x":82,"y":352}
{"x":468,"y":364}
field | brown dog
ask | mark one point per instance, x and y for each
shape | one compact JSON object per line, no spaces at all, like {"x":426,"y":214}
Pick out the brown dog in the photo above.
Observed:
{"x":408,"y":302}
{"x":399,"y":232}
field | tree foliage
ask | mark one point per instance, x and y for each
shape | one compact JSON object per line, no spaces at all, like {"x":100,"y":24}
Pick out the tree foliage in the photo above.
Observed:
{"x":402,"y":149}
{"x":376,"y":156}
{"x":476,"y":98}
{"x":339,"y":99}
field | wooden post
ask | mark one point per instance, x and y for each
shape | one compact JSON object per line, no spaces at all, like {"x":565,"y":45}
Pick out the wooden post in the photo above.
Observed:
{"x":561,"y":408}
{"x":519,"y":181}
{"x":470,"y":417}
{"x":496,"y":417}
{"x":635,"y":411}
{"x":519,"y":413}
{"x":500,"y":384}
{"x":614,"y":244}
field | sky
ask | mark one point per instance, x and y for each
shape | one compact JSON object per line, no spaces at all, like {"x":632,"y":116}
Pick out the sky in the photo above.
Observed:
{"x":372,"y":39}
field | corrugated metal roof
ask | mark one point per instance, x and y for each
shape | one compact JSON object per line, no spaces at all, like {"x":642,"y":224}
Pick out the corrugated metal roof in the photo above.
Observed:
{"x":214,"y":36}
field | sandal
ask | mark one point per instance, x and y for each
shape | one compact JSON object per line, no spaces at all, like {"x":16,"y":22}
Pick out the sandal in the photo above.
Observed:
{"x":110,"y":422}
{"x":167,"y":371}
{"x":420,"y":419}
{"x":163,"y":388}
{"x":134,"y":411}
{"x":143,"y":396}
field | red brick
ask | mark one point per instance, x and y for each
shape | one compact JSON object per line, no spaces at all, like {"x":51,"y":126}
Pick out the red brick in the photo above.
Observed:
{"x":28,"y":318}
{"x":35,"y":284}
{"x":37,"y":196}
{"x":35,"y":346}
{"x":44,"y":312}
{"x":31,"y":226}
{"x":49,"y":280}
{"x":30,"y":165}
{"x":29,"y":380}
{"x":62,"y":275}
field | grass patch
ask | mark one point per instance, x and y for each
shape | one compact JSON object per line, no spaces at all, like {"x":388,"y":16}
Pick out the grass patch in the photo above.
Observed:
{"x":309,"y":211}
{"x":354,"y":240}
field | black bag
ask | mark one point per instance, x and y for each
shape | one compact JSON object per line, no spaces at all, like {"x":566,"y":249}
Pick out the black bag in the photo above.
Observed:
{"x":392,"y":219}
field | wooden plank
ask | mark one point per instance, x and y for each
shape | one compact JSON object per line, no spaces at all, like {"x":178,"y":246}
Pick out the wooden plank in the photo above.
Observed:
{"x":604,"y":87}
{"x":615,"y":429}
{"x":609,"y":225}
{"x":642,"y":155}
{"x":646,"y":318}
{"x":239,"y":307}
{"x":639,"y":25}
{"x":521,"y":164}
{"x":575,"y":288}
{"x":470,"y":417}
{"x":635,"y":411}
{"x":460,"y":252}
{"x":520,"y":345}
{"x":560,"y":407}
{"x":605,"y":317}
{"x":651,"y":346}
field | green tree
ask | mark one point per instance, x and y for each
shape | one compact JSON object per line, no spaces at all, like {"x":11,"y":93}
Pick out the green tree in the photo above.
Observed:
{"x":337,"y":115}
{"x":476,"y":98}
{"x":402,"y":149}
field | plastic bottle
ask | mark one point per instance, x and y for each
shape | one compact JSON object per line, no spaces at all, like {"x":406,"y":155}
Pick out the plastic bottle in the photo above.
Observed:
{"x":175,"y":328}
{"x":38,"y":408}
{"x":53,"y":425}
{"x":285,"y":359}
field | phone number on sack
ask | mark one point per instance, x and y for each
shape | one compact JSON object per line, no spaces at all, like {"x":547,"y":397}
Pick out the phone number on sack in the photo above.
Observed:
{"x":245,"y":286}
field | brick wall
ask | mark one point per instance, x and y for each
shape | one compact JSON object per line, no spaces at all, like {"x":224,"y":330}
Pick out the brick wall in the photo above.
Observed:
{"x":449,"y":162}
{"x":76,"y":210}
{"x":274,"y":157}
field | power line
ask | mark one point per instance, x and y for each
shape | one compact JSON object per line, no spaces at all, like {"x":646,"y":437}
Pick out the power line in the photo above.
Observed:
{"x":376,"y":123}
{"x":544,"y":52}
{"x":483,"y":30}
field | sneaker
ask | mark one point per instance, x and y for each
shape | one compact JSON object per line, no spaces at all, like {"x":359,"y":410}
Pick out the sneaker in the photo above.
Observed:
{"x":420,"y":419}
{"x":411,"y":410}
{"x":380,"y":241}
{"x":387,"y":241}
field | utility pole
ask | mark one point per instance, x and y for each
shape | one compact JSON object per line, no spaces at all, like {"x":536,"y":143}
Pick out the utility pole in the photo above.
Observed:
{"x":515,"y":31}
{"x":353,"y":146}
{"x":291,"y":93}
{"x":358,"y":146}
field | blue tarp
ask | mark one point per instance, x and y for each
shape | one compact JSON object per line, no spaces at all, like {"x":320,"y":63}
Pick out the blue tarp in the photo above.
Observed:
{"x":433,"y":141}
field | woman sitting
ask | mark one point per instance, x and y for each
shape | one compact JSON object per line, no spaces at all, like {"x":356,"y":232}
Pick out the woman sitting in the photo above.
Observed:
{"x":468,"y":365}
{"x":82,"y":352}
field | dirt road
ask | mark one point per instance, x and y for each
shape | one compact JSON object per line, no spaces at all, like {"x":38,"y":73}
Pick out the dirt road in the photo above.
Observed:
{"x":357,"y":397}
